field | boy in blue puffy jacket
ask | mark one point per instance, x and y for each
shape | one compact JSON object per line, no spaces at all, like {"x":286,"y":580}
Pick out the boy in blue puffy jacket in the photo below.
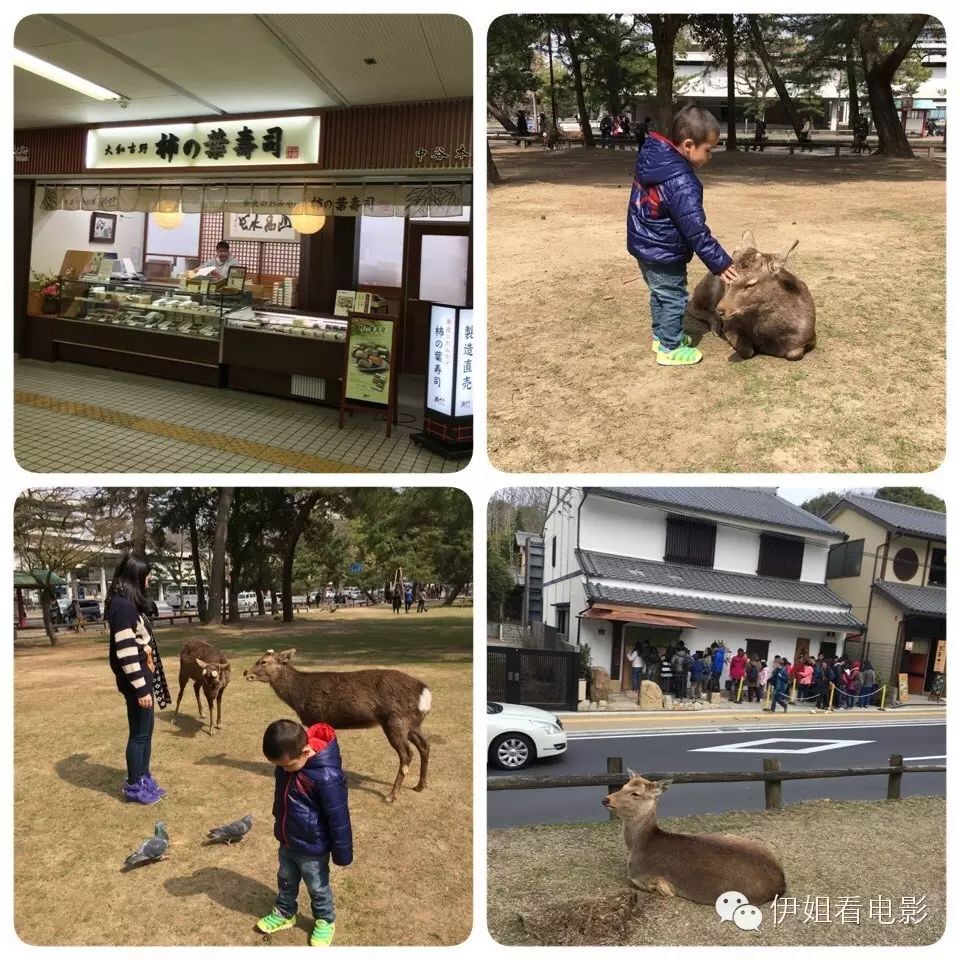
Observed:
{"x":312,"y":822}
{"x":666,"y":226}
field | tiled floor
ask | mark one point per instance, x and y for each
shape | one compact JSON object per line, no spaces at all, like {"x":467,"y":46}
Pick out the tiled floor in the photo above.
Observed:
{"x":71,"y":418}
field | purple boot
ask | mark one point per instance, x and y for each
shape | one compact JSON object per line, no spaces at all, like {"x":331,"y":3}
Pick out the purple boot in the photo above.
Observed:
{"x":140,"y":792}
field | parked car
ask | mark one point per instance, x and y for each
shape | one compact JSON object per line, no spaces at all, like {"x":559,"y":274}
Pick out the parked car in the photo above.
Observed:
{"x":89,"y":609}
{"x":247,"y":600}
{"x":518,"y":735}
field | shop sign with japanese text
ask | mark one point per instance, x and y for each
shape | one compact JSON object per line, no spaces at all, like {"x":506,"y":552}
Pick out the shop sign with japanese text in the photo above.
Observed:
{"x":269,"y":142}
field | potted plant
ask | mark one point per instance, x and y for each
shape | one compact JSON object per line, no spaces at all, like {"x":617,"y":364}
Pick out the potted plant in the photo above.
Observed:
{"x":586,"y":661}
{"x":45,"y":287}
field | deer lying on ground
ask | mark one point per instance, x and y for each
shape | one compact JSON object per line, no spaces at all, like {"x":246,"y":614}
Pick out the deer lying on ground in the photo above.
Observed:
{"x":207,"y":667}
{"x":697,"y":867}
{"x":768,"y":310}
{"x":354,"y":700}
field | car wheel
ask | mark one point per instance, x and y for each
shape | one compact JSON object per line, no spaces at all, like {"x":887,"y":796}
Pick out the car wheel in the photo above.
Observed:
{"x":512,"y":751}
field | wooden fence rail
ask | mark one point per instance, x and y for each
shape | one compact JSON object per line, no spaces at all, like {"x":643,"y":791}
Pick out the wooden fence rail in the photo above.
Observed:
{"x":772,"y":777}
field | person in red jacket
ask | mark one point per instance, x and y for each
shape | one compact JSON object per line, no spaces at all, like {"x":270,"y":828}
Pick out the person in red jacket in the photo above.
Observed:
{"x":312,"y":823}
{"x":738,"y":669}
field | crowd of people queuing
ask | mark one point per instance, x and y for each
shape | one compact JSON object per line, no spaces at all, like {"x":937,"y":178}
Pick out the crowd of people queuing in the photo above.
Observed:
{"x":823,"y":681}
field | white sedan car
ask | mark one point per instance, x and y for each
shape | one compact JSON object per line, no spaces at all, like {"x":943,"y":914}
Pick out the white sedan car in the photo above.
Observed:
{"x":518,"y":735}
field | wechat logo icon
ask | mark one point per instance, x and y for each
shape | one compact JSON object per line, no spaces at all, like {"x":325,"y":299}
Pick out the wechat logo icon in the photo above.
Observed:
{"x":733,"y":906}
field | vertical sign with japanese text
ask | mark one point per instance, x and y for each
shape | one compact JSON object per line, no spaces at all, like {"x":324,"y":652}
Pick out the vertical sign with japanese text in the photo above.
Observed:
{"x":465,"y":356}
{"x":441,"y":366}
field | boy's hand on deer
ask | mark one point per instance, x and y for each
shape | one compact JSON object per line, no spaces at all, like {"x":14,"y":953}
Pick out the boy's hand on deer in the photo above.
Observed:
{"x":729,"y":275}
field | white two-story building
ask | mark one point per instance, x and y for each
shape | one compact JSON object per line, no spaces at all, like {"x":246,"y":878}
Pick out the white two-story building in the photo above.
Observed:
{"x":697,"y":564}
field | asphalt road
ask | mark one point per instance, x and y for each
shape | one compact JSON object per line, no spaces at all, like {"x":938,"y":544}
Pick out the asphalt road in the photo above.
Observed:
{"x":662,"y":751}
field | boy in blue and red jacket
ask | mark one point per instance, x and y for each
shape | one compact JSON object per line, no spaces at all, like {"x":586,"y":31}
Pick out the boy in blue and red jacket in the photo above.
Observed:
{"x":666,"y":226}
{"x":312,"y":822}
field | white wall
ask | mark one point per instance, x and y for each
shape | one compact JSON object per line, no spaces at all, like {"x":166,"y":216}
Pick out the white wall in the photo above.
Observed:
{"x":814,"y":562}
{"x":56,"y":231}
{"x":559,"y":585}
{"x":621,"y":528}
{"x":737,"y":550}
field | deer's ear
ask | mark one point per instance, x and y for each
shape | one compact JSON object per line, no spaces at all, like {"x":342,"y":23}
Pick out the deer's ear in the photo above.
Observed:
{"x":632,"y":773}
{"x":660,"y":785}
{"x":285,"y":656}
{"x":780,"y":260}
{"x":200,"y":663}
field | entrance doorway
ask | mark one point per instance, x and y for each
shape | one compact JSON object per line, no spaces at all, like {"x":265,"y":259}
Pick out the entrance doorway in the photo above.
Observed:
{"x":802,"y":649}
{"x":660,"y":637}
{"x":438,"y":270}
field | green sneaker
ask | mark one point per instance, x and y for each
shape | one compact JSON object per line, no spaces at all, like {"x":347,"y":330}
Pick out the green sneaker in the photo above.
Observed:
{"x":679,"y":357}
{"x":275,"y":921}
{"x":322,"y":935}
{"x":685,"y":341}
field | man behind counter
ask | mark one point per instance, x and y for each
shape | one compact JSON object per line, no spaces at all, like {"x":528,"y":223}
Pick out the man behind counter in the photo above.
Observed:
{"x":222,"y":262}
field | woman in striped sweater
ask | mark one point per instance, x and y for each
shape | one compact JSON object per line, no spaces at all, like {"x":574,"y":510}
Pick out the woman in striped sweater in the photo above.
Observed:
{"x":135,"y":662}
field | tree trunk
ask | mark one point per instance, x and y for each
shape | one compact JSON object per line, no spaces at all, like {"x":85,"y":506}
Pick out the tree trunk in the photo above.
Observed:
{"x":370,"y":597}
{"x":261,"y":608}
{"x":219,"y":556}
{"x":197,"y":568}
{"x":729,"y":31}
{"x":138,"y":539}
{"x":578,"y":83}
{"x":290,"y":551}
{"x":493,"y":174}
{"x":553,"y":88}
{"x":45,"y":599}
{"x":273,"y":600}
{"x":664,"y":27}
{"x":453,"y":594}
{"x":879,"y":71}
{"x":852,"y":94}
{"x":760,"y":48}
{"x":233,"y":606}
{"x":501,"y":116}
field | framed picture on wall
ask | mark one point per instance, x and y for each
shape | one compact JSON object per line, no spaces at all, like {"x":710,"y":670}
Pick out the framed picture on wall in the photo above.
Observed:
{"x":103,"y":227}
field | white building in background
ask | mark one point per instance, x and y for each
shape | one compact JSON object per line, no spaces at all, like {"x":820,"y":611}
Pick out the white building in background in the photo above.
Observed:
{"x":699,"y":564}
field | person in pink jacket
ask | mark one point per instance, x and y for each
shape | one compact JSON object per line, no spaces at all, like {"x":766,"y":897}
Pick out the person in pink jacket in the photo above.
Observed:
{"x":738,"y":667}
{"x":805,"y":681}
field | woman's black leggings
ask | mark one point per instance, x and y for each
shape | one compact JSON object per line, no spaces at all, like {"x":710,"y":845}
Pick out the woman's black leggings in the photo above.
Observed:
{"x":140,"y":722}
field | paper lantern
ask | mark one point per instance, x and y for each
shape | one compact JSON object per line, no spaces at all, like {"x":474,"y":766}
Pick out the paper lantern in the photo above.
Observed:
{"x":168,"y":221}
{"x":306,"y":223}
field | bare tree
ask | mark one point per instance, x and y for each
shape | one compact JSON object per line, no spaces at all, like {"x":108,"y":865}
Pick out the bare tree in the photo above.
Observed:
{"x":665,"y":27}
{"x":762,"y":51}
{"x":215,"y":602}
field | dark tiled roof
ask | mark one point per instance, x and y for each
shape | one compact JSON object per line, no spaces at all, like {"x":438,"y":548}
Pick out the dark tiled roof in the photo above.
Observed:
{"x":743,"y":610}
{"x":929,"y":601}
{"x":703,"y":579}
{"x":900,"y":516}
{"x":744,"y":504}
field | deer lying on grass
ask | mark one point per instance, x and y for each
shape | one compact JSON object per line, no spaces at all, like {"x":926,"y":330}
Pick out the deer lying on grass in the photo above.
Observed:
{"x":354,"y":700}
{"x":207,"y":667}
{"x":697,"y":867}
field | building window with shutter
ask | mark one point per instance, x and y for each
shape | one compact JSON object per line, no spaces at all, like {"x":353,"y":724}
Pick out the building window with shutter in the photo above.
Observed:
{"x":553,"y":552}
{"x":690,"y":541}
{"x":938,"y":568}
{"x":845,"y":560}
{"x":780,"y":557}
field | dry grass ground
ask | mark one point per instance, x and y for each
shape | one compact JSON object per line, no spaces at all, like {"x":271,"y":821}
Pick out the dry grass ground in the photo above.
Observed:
{"x":567,"y":885}
{"x":411,"y":881}
{"x":573,"y":385}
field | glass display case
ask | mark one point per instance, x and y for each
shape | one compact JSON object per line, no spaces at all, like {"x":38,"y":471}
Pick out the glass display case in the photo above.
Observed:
{"x":150,"y":307}
{"x":287,"y":324}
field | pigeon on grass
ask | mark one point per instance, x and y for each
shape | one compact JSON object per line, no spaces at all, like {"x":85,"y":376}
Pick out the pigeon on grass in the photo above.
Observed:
{"x":230,"y":832}
{"x":150,"y":851}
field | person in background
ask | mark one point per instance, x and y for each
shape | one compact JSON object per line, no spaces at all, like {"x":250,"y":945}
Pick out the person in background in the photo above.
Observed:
{"x":679,"y":671}
{"x":759,"y":134}
{"x":805,"y":680}
{"x":650,"y":660}
{"x":635,"y":656}
{"x":781,"y":681}
{"x":407,"y":598}
{"x":421,"y":599}
{"x":606,"y":126}
{"x":806,"y":135}
{"x":763,"y":680}
{"x":717,"y":660}
{"x":869,"y":687}
{"x":753,"y":679}
{"x":698,"y":672}
{"x":821,"y":684}
{"x":221,"y":261}
{"x":854,"y":682}
{"x":542,"y":124}
{"x":666,"y":670}
{"x":738,"y":670}
{"x":396,"y":599}
{"x":523,"y":130}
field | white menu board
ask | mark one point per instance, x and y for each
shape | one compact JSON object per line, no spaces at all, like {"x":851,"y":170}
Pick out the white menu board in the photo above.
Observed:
{"x":440,"y":376}
{"x":465,"y":358}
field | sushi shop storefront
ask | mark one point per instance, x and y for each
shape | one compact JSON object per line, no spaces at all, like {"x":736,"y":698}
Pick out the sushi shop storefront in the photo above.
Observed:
{"x":331,"y":214}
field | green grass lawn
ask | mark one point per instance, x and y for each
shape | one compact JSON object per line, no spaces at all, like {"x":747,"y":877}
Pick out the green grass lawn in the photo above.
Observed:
{"x":411,"y":881}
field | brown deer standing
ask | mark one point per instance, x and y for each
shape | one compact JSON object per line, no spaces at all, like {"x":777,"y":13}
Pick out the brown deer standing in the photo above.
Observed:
{"x":207,"y":667}
{"x":697,"y":867}
{"x":354,"y":700}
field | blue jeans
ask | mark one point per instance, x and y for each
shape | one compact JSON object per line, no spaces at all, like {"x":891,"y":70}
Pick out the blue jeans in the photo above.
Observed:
{"x":668,"y":299}
{"x":139,"y":738}
{"x":636,"y":677}
{"x":315,"y":873}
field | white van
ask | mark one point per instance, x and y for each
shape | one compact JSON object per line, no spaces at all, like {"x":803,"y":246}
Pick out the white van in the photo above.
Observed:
{"x":247,"y":601}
